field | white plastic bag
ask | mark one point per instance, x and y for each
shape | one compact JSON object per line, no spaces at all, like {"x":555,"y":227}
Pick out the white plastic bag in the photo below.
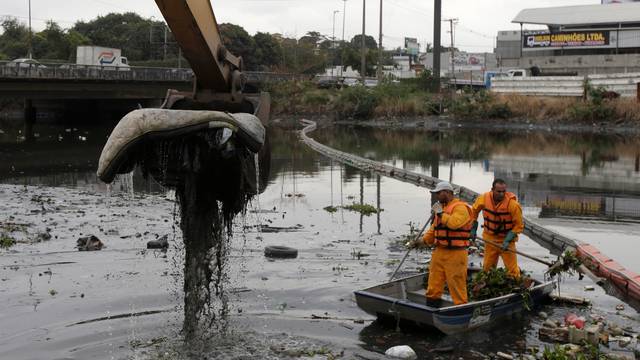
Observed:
{"x":401,"y":352}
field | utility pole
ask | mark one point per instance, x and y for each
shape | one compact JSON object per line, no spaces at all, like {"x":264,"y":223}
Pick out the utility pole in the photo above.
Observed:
{"x":164,"y":56}
{"x":30,"y":34}
{"x":452,"y":22}
{"x":380,"y":47}
{"x":344,"y":15}
{"x":437,"y":18}
{"x":333,"y":42}
{"x":363,"y":60}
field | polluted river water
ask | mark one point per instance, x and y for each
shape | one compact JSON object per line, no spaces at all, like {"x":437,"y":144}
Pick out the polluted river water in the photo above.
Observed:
{"x":125,"y":301}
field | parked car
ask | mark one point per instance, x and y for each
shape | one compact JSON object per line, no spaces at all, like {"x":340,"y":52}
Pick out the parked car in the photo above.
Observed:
{"x":350,"y":82}
{"x":370,"y":82}
{"x":327,"y":82}
{"x":26,"y":63}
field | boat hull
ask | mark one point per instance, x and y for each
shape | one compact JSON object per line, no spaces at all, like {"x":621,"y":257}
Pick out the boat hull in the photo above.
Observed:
{"x":400,"y":300}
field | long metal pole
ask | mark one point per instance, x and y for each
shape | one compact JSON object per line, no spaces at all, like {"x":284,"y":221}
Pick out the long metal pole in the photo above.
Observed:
{"x":409,"y":250}
{"x":30,"y":35}
{"x":380,"y":46}
{"x":517,"y":252}
{"x":363,"y":56}
{"x":164,"y":57}
{"x":333,"y":42}
{"x":437,"y":26}
{"x":452,"y":50}
{"x":344,"y":15}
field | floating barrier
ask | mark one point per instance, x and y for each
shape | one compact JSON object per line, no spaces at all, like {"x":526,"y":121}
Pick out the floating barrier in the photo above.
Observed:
{"x":626,"y":281}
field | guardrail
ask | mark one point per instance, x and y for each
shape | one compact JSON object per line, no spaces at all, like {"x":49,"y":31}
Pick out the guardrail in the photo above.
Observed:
{"x":54,"y":71}
{"x":21,"y":70}
{"x":625,"y":84}
{"x":267,"y":76}
{"x":551,"y":240}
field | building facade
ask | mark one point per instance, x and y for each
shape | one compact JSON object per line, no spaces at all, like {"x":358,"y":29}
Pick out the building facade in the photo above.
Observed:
{"x":587,"y":39}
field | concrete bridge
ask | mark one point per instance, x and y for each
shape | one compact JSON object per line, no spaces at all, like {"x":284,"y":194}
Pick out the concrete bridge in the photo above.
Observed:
{"x":76,"y":88}
{"x":70,"y":81}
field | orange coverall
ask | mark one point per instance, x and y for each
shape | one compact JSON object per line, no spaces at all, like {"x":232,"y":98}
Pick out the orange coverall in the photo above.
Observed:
{"x":492,"y":253}
{"x":448,"y":265}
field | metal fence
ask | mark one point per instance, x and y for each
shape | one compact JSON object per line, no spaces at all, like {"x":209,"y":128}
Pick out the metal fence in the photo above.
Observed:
{"x":625,"y":84}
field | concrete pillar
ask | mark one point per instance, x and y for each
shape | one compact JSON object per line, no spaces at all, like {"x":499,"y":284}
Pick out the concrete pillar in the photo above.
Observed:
{"x":29,"y":119}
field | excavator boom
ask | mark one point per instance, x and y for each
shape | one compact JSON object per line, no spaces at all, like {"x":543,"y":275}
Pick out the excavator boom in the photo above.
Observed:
{"x":194,"y":27}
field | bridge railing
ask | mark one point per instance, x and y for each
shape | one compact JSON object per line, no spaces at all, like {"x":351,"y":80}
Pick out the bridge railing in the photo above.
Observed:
{"x":60,"y":71}
{"x":13,"y":70}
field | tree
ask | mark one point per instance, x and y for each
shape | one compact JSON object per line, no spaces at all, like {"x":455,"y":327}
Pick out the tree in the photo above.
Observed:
{"x":353,"y":58}
{"x":268,"y":51}
{"x":312,"y":39}
{"x":127,"y":31}
{"x":238,"y":41}
{"x":369,"y":42}
{"x":14,"y":41}
{"x":53,"y":43}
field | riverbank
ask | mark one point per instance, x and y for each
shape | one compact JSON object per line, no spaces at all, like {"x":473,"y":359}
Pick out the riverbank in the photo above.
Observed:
{"x":410,"y":105}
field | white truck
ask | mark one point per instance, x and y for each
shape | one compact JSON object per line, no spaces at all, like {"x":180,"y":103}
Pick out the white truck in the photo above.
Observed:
{"x":101,"y":56}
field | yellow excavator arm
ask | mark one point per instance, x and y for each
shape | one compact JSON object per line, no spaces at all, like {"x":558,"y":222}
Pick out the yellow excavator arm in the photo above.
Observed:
{"x":194,"y":27}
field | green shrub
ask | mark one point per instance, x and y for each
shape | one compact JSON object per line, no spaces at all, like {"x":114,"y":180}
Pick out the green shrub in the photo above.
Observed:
{"x":479,"y":105}
{"x":499,"y":111}
{"x":590,"y":111}
{"x":316,"y":98}
{"x":356,"y":102}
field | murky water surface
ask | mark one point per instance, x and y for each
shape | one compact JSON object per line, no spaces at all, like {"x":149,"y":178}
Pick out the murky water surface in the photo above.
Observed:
{"x":126,"y":301}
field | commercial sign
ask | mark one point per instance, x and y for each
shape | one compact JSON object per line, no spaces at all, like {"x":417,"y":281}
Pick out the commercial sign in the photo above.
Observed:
{"x":469,"y":61}
{"x":412,"y":46}
{"x":567,"y":39}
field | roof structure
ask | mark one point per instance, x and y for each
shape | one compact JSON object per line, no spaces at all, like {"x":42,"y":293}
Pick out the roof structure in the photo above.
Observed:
{"x":581,"y":15}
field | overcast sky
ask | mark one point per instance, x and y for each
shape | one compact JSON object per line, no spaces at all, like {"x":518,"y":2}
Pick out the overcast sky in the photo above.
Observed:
{"x":479,"y":20}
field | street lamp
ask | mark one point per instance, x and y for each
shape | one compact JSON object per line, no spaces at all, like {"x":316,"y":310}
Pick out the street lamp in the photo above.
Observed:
{"x":30,"y":34}
{"x":344,"y":14}
{"x":333,"y":42}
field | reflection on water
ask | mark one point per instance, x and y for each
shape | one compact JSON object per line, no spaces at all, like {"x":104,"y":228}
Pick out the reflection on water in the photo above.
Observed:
{"x":566,"y":174}
{"x":582,"y":175}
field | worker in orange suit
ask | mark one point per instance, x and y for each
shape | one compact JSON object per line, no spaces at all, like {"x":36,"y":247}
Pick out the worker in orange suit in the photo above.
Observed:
{"x":502,"y":216}
{"x":449,"y":233}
